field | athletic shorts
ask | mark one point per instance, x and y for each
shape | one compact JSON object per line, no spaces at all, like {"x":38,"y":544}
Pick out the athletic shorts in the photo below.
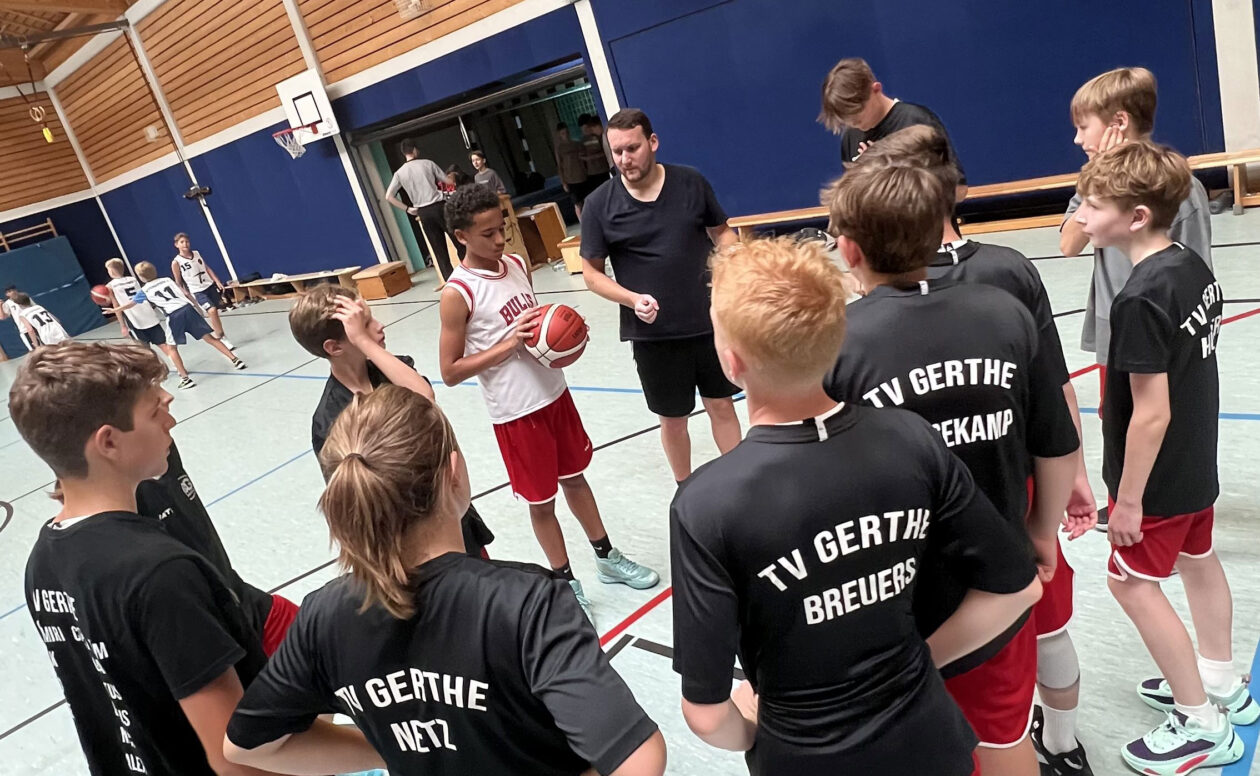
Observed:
{"x":283,"y":613}
{"x":187,"y":322}
{"x":1051,"y":614}
{"x":1164,"y":539}
{"x":996,"y":697}
{"x":154,"y":335}
{"x":671,"y":371}
{"x":544,"y":447}
{"x":209,"y":298}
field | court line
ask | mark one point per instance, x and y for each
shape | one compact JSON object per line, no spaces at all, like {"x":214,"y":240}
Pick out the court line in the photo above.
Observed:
{"x":1069,"y":312}
{"x":667,"y":652}
{"x":625,"y":641}
{"x":636,"y":615}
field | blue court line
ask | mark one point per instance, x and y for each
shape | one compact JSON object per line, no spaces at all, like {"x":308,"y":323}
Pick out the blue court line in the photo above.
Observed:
{"x":584,"y":388}
{"x":1248,"y":734}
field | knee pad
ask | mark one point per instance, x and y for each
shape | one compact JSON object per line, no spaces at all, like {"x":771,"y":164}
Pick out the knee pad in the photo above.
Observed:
{"x":1057,"y":666}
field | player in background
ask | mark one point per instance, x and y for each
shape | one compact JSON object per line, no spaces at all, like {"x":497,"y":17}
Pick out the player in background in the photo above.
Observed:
{"x":197,"y":279}
{"x":801,"y":550}
{"x":492,"y":669}
{"x":149,"y":642}
{"x":184,"y":316}
{"x":336,"y":324}
{"x":145,"y":320}
{"x":1058,"y":669}
{"x":488,"y":310}
{"x":9,"y":310}
{"x":1160,"y":457}
{"x":42,"y":327}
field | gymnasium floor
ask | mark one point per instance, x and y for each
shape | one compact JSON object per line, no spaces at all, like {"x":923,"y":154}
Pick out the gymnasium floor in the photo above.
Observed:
{"x":245,"y":441}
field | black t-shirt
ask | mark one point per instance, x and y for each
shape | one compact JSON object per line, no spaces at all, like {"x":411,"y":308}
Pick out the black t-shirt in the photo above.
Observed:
{"x":1167,"y":319}
{"x":1011,"y":271}
{"x":902,"y":115}
{"x":800,"y":551}
{"x":959,"y":355}
{"x":134,"y":621}
{"x":174,"y":502}
{"x":659,"y":248}
{"x":336,"y":397}
{"x":498,"y":672}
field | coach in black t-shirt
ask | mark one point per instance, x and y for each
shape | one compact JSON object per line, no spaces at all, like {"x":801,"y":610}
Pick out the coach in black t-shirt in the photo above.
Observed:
{"x":658,"y":223}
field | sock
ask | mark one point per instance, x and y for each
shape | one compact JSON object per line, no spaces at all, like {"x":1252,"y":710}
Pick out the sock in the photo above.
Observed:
{"x":1219,"y":677}
{"x":1208,"y":715}
{"x":1059,"y":733}
{"x":602,"y":546}
{"x":565,"y":572}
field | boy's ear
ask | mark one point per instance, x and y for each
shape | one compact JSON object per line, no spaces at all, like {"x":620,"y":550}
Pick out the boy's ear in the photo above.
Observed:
{"x":1141,"y":218}
{"x":1122,"y":120}
{"x":333,"y":347}
{"x":461,"y":236}
{"x":850,"y":251}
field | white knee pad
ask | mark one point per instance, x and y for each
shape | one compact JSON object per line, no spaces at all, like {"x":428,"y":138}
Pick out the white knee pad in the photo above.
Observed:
{"x":1057,"y":666}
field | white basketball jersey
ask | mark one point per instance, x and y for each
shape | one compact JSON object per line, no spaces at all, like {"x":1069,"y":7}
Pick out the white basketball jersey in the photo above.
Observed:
{"x":142,"y":316}
{"x":165,"y":294}
{"x":44,"y":324}
{"x":520,"y":385}
{"x":193,"y":270}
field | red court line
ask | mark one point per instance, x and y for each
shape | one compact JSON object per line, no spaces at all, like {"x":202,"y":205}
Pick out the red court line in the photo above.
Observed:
{"x":1084,"y":371}
{"x":637,"y":615}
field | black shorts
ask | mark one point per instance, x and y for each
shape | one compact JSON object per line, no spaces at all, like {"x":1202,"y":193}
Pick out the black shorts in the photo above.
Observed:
{"x":154,"y":335}
{"x":671,"y":371}
{"x":209,"y":297}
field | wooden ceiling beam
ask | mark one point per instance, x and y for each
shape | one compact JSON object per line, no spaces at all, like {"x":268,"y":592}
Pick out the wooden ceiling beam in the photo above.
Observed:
{"x":13,"y":68}
{"x":65,"y":6}
{"x":70,"y":20}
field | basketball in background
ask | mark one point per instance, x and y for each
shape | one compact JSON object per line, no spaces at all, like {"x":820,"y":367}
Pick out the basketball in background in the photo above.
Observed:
{"x":102,"y":296}
{"x":559,"y":338}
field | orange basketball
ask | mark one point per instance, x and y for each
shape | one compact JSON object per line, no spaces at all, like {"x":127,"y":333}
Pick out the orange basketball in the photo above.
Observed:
{"x":102,"y":296}
{"x":559,"y":338}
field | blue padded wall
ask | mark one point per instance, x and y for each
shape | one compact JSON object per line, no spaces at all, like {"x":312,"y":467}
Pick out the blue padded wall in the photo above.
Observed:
{"x":51,"y":274}
{"x":278,"y":214}
{"x":733,"y":87}
{"x":84,"y":225}
{"x":149,"y":212}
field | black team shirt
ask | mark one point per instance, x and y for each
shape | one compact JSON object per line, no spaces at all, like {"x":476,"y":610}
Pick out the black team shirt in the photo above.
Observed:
{"x":800,"y":552}
{"x":498,"y":673}
{"x":134,"y":621}
{"x":1167,"y":319}
{"x":902,"y":115}
{"x":659,"y":248}
{"x":174,"y":502}
{"x":1008,"y":269}
{"x":333,"y":402}
{"x":959,"y":355}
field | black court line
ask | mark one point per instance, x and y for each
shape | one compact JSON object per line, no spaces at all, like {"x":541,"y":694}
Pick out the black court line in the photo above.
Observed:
{"x":619,"y":645}
{"x":8,"y":514}
{"x":31,"y":719}
{"x":1069,"y":312}
{"x":668,"y":653}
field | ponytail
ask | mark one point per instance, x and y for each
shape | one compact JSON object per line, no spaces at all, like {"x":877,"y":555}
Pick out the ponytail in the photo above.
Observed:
{"x":386,"y":460}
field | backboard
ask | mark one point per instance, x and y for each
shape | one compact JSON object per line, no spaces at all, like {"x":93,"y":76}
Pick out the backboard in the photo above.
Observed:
{"x":305,"y":102}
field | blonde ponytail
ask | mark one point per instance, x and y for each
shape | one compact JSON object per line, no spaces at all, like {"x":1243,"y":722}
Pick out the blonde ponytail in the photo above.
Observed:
{"x":386,"y":461}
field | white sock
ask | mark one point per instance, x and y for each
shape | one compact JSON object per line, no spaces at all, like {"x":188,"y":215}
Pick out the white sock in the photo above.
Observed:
{"x":1219,"y":677}
{"x":1208,"y":715}
{"x":1059,"y":733}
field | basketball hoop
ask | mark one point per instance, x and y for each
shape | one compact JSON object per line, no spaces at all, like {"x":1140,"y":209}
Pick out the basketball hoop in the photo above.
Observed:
{"x":291,"y":141}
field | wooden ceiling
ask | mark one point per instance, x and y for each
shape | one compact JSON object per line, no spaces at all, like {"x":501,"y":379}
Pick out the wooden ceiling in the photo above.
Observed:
{"x":23,"y":18}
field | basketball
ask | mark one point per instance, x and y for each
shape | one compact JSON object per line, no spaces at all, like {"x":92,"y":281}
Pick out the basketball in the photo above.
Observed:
{"x":560,"y":337}
{"x":102,"y":296}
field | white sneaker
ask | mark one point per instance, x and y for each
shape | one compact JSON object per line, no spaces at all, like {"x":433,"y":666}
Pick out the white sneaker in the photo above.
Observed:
{"x":227,"y":343}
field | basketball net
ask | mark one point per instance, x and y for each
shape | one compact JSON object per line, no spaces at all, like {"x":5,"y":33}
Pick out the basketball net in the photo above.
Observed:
{"x":291,"y":139}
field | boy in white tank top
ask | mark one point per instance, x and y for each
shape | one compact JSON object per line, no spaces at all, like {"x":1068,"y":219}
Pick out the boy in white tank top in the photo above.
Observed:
{"x":488,"y":311}
{"x":42,"y":327}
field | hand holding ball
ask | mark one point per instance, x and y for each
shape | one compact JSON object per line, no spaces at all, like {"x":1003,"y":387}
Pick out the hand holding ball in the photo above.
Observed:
{"x":559,"y":338}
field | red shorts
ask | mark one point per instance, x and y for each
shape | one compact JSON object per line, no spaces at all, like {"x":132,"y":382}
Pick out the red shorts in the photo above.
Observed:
{"x":996,"y":697}
{"x":544,"y":447}
{"x":283,"y":613}
{"x":1163,"y":540}
{"x":1102,"y":387}
{"x":1052,"y":613}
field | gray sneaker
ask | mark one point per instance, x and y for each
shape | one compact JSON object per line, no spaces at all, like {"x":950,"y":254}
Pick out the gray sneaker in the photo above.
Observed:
{"x":618,"y":568}
{"x":583,"y":601}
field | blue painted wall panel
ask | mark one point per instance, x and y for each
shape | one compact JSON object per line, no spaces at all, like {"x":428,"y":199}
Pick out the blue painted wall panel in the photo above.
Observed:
{"x":734,"y":88}
{"x":50,"y":273}
{"x":149,"y":212}
{"x":278,"y":214}
{"x":84,"y":225}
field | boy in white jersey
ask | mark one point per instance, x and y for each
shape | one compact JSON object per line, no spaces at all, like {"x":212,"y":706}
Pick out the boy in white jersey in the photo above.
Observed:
{"x":195,"y":277}
{"x":183,"y":315}
{"x":9,"y":309}
{"x":42,"y":327}
{"x":488,"y":311}
{"x":145,"y":320}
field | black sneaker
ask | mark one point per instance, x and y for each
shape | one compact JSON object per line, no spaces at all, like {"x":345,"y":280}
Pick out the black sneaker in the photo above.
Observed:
{"x":1102,"y":519}
{"x":1073,"y":763}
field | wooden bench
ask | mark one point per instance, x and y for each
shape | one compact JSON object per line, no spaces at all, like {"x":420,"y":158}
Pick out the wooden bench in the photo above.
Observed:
{"x":300,"y":283}
{"x":1237,"y":161}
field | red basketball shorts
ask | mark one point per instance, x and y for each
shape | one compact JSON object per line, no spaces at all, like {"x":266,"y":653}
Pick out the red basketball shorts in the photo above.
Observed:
{"x":1164,"y":539}
{"x":544,"y":447}
{"x":283,"y":613}
{"x":1052,"y":613}
{"x":996,"y":697}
